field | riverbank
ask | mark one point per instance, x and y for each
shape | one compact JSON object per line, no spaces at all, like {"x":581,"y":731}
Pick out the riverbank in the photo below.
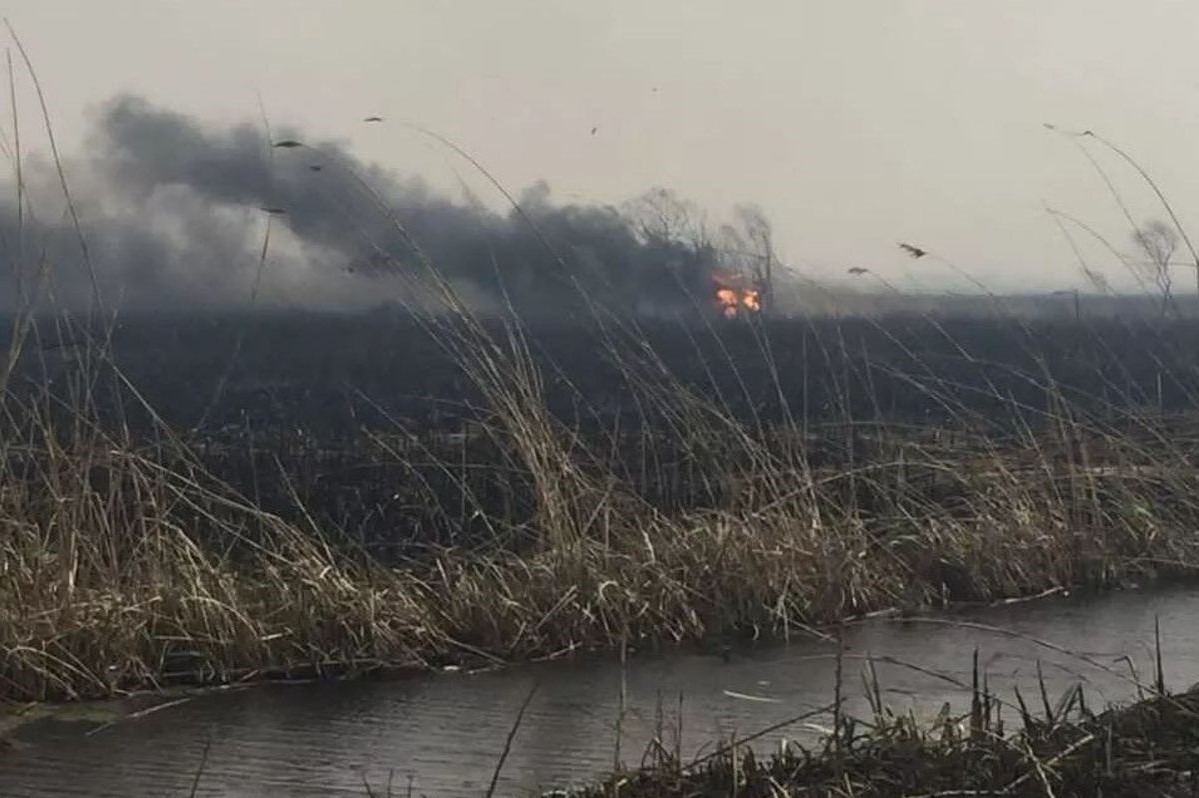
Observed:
{"x":591,"y":711}
{"x":1150,"y":747}
{"x":151,"y":576}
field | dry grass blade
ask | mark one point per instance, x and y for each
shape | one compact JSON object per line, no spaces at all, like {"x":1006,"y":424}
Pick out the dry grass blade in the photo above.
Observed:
{"x":195,"y":788}
{"x":520,"y":716}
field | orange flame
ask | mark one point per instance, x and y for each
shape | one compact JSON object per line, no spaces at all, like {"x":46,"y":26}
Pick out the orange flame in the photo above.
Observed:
{"x":732,"y":300}
{"x":727,"y":299}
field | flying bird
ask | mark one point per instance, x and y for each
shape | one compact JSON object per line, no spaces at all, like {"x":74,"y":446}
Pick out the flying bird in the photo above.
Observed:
{"x":594,"y":129}
{"x":915,"y":252}
{"x":274,"y":211}
{"x":856,"y":270}
{"x":316,"y":167}
{"x":287,"y":144}
{"x":373,"y":119}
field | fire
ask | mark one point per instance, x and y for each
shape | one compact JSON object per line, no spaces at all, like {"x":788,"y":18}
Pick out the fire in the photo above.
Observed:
{"x":732,"y":300}
{"x":727,"y":298}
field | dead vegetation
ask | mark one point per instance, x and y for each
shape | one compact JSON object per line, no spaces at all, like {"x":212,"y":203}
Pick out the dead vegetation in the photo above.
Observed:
{"x":126,"y":564}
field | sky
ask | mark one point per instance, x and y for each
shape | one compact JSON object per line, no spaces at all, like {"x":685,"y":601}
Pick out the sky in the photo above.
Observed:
{"x":854,"y":124}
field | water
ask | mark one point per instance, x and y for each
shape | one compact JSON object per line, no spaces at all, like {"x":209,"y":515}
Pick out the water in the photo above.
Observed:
{"x":446,"y":732}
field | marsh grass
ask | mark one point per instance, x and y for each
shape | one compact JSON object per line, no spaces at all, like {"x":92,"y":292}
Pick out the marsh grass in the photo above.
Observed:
{"x":128,"y":565}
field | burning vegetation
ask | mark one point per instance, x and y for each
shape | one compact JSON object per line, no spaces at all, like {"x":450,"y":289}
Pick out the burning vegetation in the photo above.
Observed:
{"x":733,"y":297}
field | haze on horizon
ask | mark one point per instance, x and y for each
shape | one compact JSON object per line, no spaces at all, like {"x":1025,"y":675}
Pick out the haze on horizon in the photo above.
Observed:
{"x":853,"y":125}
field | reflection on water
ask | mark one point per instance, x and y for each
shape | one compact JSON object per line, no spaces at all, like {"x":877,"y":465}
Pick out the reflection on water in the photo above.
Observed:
{"x":446,"y":732}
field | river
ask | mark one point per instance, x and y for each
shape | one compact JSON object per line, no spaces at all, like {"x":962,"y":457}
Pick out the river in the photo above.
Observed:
{"x":443,"y":734}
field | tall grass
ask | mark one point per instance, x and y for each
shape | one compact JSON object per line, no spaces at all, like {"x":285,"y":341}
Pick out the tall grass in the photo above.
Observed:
{"x":126,"y":564}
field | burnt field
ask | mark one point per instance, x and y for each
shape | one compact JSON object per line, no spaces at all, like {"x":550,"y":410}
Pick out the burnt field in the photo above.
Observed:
{"x":372,"y":426}
{"x":332,"y":375}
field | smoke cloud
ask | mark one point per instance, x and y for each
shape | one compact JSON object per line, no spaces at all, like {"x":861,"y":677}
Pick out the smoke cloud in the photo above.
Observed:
{"x":173,"y":215}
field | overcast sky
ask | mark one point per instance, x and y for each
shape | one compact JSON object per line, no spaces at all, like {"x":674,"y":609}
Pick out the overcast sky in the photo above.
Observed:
{"x":854,"y":124}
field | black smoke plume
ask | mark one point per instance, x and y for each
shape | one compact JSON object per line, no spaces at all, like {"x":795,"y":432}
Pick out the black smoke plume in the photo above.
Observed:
{"x":173,"y":215}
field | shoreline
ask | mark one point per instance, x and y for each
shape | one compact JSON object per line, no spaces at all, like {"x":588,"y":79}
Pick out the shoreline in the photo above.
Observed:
{"x":1144,"y":747}
{"x":299,"y":676}
{"x":753,"y":717}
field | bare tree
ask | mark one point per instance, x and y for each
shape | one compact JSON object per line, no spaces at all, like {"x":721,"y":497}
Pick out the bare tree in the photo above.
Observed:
{"x":760,"y":235}
{"x":660,"y":216}
{"x":1158,"y":241}
{"x":749,"y":241}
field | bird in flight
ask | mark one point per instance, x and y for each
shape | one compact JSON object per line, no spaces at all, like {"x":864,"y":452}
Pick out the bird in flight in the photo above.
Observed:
{"x":594,"y":129}
{"x":373,"y":119}
{"x":287,"y":144}
{"x":915,"y":252}
{"x":316,"y":167}
{"x":856,"y":270}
